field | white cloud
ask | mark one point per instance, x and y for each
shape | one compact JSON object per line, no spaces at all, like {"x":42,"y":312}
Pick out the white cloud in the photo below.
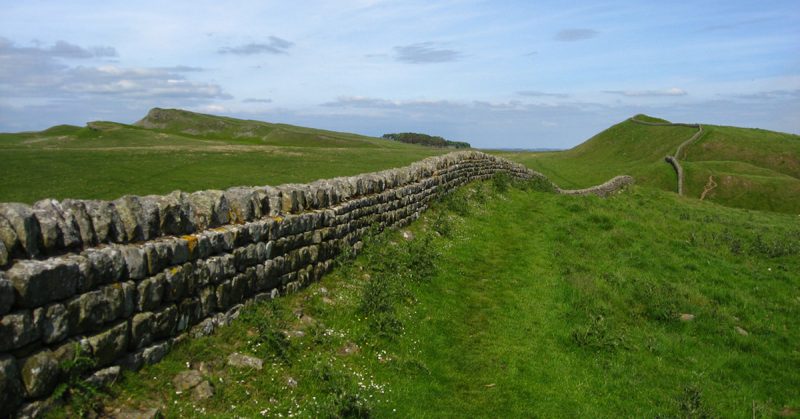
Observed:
{"x":673,"y":91}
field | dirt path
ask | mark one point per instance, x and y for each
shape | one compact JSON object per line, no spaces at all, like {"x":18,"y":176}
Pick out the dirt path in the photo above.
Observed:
{"x":710,"y":185}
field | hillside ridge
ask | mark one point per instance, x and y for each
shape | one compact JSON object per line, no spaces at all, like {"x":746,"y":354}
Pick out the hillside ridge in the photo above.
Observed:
{"x":674,"y":159}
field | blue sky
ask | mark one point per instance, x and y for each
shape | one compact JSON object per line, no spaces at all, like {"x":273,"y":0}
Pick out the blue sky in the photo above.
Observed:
{"x":495,"y":73}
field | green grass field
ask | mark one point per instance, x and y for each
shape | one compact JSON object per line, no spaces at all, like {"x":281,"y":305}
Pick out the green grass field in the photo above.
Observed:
{"x":511,"y":302}
{"x":106,"y":160}
{"x":753,"y":168}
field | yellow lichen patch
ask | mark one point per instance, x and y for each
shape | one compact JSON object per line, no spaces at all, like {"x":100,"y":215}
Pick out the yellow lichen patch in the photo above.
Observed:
{"x":174,"y":270}
{"x":277,"y":218}
{"x":191,"y":242}
{"x":235,"y":216}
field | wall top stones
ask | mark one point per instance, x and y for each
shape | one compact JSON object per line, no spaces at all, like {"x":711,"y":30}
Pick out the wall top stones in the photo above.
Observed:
{"x":50,"y":227}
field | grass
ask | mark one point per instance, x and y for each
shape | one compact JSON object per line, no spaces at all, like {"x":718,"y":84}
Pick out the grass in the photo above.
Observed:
{"x":106,"y":160}
{"x":522,"y":303}
{"x":759,"y":169}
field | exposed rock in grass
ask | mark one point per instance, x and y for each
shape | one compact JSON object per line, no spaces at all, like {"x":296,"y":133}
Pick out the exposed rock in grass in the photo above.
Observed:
{"x":686,"y":317}
{"x":243,"y":361}
{"x":202,"y":391}
{"x":132,"y":413}
{"x":741,"y":331}
{"x":104,"y":377}
{"x":408,"y":235}
{"x":187,"y":379}
{"x":349,"y":349}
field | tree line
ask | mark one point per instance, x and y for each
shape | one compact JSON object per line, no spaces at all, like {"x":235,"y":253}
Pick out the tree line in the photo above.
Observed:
{"x":426,"y":140}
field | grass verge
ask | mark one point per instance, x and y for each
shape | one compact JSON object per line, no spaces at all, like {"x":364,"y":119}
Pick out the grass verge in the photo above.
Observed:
{"x":512,"y":302}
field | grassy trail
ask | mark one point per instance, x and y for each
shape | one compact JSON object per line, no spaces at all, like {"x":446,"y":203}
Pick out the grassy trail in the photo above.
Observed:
{"x":539,"y":305}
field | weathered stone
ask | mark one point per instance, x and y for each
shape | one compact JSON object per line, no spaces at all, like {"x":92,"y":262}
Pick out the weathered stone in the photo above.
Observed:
{"x":244,"y":361}
{"x":109,"y":345}
{"x":135,"y":260}
{"x":105,"y":265}
{"x":150,"y":326}
{"x":139,"y":217}
{"x":159,"y":256}
{"x":37,"y":408}
{"x":165,"y":322}
{"x":208,"y":300}
{"x":141,"y":330}
{"x":91,"y":310}
{"x":108,"y":226}
{"x":129,"y":298}
{"x":208,"y":209}
{"x":55,"y":325}
{"x":156,"y":352}
{"x":25,"y":226}
{"x":175,"y":281}
{"x":175,"y":213}
{"x":4,"y":257}
{"x":180,"y":251}
{"x":186,"y":380}
{"x":62,"y":225}
{"x":11,"y":389}
{"x":244,"y":204}
{"x":39,"y":282}
{"x":77,"y":210}
{"x":39,"y":373}
{"x":8,"y":237}
{"x":6,"y":295}
{"x":131,"y":413}
{"x":104,"y":377}
{"x":189,"y":312}
{"x":202,"y":391}
{"x":150,"y":293}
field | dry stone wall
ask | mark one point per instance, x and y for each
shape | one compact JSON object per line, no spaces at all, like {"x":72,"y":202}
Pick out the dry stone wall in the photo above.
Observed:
{"x":673,"y":160}
{"x":122,"y":281}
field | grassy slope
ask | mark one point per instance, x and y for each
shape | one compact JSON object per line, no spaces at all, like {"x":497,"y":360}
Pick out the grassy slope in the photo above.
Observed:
{"x":107,"y":160}
{"x":754,"y":168}
{"x":542,"y":305}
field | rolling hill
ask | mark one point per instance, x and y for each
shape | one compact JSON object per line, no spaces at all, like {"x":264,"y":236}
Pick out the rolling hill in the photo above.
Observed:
{"x":174,"y":149}
{"x":739,"y":167}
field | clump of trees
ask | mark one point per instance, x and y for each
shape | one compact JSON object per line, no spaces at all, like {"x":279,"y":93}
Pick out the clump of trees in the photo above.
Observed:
{"x":426,"y":140}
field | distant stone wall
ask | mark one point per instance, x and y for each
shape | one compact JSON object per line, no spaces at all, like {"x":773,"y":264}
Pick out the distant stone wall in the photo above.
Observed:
{"x":124,"y":280}
{"x":613,"y":185}
{"x":673,"y":160}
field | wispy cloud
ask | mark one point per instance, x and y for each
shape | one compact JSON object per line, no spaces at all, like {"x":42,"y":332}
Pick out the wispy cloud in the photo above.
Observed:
{"x":61,"y":49}
{"x":769,"y":95}
{"x":572,"y":35}
{"x":42,"y":72}
{"x":648,"y":93}
{"x":256,"y":100}
{"x":425,"y":53}
{"x":275,"y":45}
{"x":183,"y":69}
{"x":733,"y":25}
{"x":536,"y":93}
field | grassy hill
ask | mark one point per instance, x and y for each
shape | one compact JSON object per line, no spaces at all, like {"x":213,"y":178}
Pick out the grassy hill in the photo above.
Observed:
{"x":174,"y":149}
{"x":519,"y":303}
{"x":752,"y":168}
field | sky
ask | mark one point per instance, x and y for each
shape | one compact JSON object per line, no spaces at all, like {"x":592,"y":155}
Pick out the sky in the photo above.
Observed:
{"x":498,"y":74}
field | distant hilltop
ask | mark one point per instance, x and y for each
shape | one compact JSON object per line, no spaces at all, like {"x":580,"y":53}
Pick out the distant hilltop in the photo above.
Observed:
{"x":426,"y":140}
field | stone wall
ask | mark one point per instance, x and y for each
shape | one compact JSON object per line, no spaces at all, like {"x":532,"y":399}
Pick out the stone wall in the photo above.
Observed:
{"x":124,"y":280}
{"x":673,"y":160}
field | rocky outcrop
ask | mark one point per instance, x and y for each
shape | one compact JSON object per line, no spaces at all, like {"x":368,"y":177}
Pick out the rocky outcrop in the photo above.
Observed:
{"x":122,"y":281}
